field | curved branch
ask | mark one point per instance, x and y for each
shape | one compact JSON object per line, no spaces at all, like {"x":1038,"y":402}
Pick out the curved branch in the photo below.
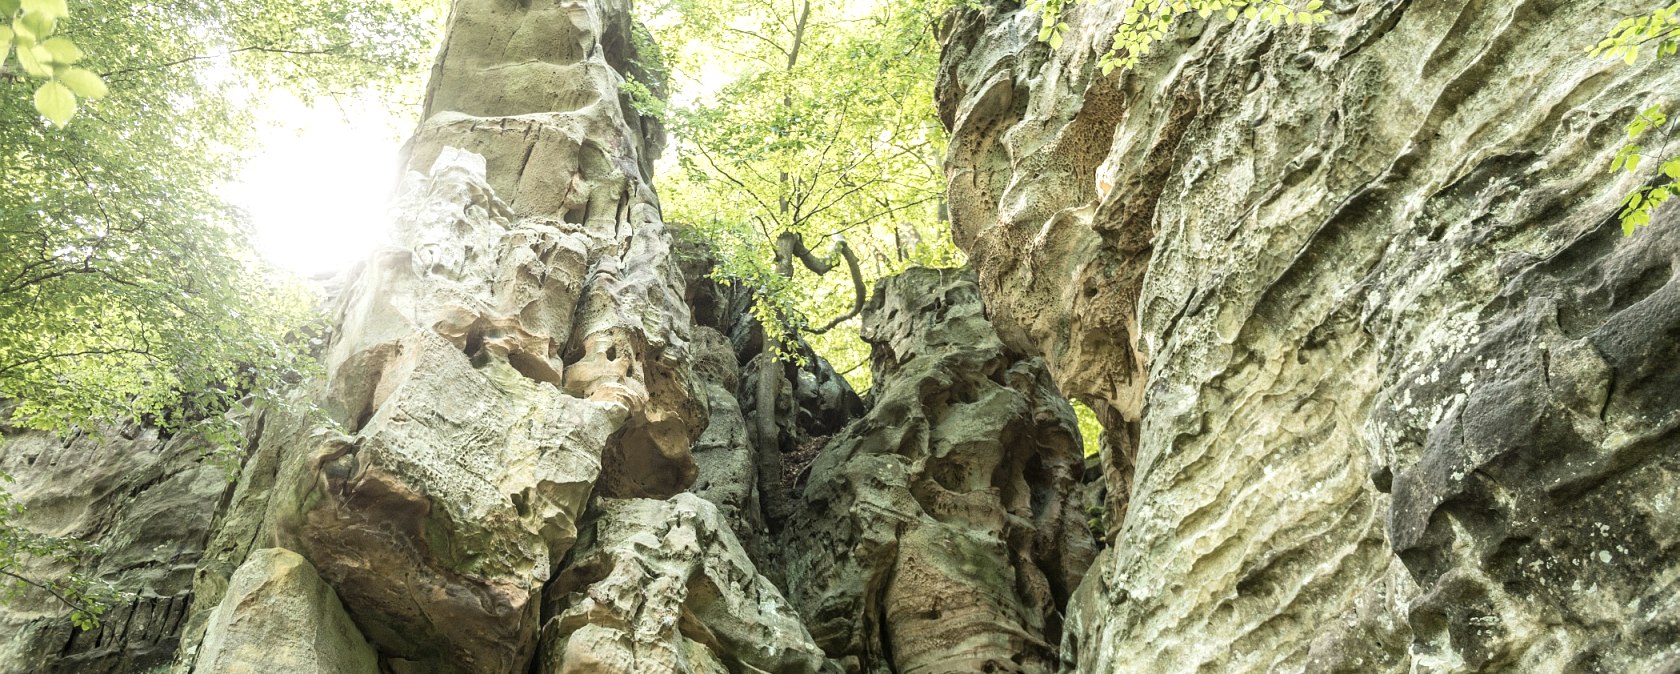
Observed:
{"x":334,"y":49}
{"x":860,"y":294}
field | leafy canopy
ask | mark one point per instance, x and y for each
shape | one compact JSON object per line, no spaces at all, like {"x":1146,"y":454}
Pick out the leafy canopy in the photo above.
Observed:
{"x":28,"y":25}
{"x":824,"y":128}
{"x":128,"y":289}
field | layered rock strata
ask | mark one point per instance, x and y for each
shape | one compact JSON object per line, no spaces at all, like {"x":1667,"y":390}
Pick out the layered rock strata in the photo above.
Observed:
{"x":1383,"y":383}
{"x":148,"y":503}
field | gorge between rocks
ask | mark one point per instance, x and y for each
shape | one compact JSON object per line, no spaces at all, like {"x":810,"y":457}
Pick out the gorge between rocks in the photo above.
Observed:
{"x":1383,"y":387}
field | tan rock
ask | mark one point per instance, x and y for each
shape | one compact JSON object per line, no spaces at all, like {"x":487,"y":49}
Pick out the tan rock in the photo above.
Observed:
{"x":278,"y":617}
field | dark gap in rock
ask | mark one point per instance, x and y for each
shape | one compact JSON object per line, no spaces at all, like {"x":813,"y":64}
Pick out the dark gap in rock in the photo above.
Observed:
{"x":533,"y":367}
{"x":474,"y":343}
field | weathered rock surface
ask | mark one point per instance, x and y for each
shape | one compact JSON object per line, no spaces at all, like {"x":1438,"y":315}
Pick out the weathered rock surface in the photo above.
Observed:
{"x":660,"y":587}
{"x":501,"y":363}
{"x":725,"y":454}
{"x":148,"y":503}
{"x":771,"y":415}
{"x":940,"y":532}
{"x":1385,"y":388}
{"x":279,"y":617}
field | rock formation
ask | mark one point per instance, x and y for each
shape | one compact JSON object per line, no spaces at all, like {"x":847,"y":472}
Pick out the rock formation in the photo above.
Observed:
{"x":149,"y":503}
{"x":940,"y":532}
{"x":663,"y":587}
{"x":1385,"y":388}
{"x":522,"y":349}
{"x":278,"y":615}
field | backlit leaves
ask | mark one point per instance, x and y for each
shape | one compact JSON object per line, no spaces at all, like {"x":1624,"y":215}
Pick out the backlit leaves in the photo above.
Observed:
{"x":1658,"y":34}
{"x":42,"y":55}
{"x":128,"y":289}
{"x":1147,"y":22}
{"x":842,"y":141}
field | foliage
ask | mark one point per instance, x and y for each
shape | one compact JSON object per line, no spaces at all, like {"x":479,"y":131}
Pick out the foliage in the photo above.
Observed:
{"x":826,"y":129}
{"x":30,"y":24}
{"x":1659,"y":30}
{"x":87,"y":598}
{"x":128,"y":290}
{"x":1090,"y":430}
{"x":1147,"y":21}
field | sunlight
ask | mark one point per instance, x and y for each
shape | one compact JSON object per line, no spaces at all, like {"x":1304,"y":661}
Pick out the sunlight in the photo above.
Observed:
{"x":316,"y":188}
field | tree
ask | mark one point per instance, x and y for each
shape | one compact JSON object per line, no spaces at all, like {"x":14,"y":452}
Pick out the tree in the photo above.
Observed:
{"x":1658,"y":34}
{"x":128,"y":290}
{"x":29,"y":26}
{"x":826,"y":136}
{"x":1146,"y":21}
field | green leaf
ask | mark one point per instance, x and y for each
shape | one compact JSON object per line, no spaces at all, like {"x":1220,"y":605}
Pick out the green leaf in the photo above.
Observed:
{"x":5,"y":42}
{"x":84,"y":83}
{"x":55,"y":102}
{"x":30,"y":59}
{"x":52,"y":9}
{"x":34,"y":24}
{"x":63,"y":50}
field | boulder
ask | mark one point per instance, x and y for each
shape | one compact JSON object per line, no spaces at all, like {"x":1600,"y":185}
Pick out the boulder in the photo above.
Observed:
{"x":279,"y":617}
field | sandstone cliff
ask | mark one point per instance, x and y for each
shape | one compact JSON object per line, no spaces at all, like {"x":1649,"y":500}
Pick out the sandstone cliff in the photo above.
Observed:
{"x":1385,"y":389}
{"x":545,"y":441}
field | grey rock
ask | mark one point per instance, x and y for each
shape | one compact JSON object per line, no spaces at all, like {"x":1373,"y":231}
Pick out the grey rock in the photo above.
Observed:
{"x":1380,"y":376}
{"x":661,"y":587}
{"x":941,"y":532}
{"x":148,"y":503}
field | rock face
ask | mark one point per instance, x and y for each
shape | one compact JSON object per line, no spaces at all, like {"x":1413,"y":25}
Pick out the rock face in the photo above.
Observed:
{"x":1384,"y":387}
{"x":940,"y":532}
{"x":522,"y":350}
{"x":278,"y":617}
{"x":148,"y":502}
{"x":663,"y":587}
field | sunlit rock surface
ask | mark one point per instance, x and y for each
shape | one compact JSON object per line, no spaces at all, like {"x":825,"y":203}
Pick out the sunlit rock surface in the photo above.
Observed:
{"x":940,"y":532}
{"x":1386,"y":388}
{"x":522,"y":347}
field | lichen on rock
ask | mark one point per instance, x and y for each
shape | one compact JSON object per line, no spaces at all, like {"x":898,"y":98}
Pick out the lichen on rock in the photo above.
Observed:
{"x":940,"y":532}
{"x":1352,"y":304}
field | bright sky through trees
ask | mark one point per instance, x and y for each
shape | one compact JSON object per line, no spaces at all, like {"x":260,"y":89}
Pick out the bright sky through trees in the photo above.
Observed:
{"x":317,"y":188}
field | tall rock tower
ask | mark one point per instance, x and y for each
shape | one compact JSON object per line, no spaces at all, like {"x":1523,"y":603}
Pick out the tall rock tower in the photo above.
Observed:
{"x":514,"y":370}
